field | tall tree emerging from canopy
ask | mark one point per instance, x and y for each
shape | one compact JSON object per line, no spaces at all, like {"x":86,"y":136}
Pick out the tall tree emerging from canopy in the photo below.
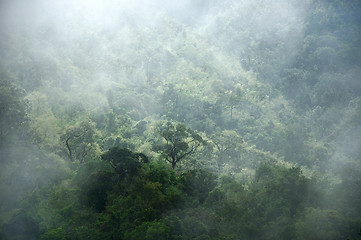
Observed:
{"x":178,"y":142}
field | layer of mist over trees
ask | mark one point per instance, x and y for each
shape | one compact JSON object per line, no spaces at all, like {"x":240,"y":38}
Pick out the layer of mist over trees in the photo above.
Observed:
{"x":177,"y":120}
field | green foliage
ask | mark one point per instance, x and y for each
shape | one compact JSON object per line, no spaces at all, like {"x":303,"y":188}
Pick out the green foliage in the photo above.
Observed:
{"x":260,"y":113}
{"x":285,"y":188}
{"x":95,"y":189}
{"x":80,"y":142}
{"x":21,"y":226}
{"x":227,"y":146}
{"x":319,"y":224}
{"x":125,"y":162}
{"x":149,"y":231}
{"x":13,"y":109}
{"x":198,"y":184}
{"x":178,"y":142}
{"x":56,"y":234}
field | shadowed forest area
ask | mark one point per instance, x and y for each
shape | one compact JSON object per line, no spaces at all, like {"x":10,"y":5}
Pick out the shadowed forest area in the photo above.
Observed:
{"x":159,"y":120}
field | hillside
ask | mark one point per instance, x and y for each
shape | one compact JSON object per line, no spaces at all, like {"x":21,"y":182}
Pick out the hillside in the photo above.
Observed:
{"x":192,"y":120}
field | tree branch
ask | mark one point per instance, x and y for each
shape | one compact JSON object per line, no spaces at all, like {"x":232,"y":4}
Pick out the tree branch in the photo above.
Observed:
{"x":69,"y":149}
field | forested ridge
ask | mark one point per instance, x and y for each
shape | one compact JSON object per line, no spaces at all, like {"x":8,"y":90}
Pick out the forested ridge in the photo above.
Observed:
{"x":207,"y":120}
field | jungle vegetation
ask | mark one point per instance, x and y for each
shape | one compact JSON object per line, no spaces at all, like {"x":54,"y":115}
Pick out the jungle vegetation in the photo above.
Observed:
{"x":204,"y":120}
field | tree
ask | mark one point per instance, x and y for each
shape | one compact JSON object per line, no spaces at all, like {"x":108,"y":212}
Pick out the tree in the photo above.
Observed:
{"x":233,"y":99}
{"x":12,"y":109}
{"x":20,"y":226}
{"x":281,"y":190}
{"x":227,"y":145}
{"x":149,"y":231}
{"x":178,"y":142}
{"x":125,"y":162}
{"x":43,"y":125}
{"x":80,"y":141}
{"x":319,"y":224}
{"x":95,"y":188}
{"x":198,"y":184}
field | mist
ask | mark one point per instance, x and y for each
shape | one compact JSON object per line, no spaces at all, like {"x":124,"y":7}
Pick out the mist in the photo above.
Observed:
{"x":185,"y":119}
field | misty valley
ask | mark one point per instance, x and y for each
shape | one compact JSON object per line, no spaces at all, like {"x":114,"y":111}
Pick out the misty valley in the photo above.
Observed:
{"x":180,"y":120}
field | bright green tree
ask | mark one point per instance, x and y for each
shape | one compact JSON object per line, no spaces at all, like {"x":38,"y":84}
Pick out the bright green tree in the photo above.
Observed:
{"x":80,"y":141}
{"x":178,"y":142}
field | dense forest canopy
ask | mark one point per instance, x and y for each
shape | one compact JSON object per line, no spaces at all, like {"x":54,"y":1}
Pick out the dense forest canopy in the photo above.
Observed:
{"x":194,"y":119}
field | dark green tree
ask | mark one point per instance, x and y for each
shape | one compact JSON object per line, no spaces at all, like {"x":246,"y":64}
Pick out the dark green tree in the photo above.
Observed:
{"x":125,"y":162}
